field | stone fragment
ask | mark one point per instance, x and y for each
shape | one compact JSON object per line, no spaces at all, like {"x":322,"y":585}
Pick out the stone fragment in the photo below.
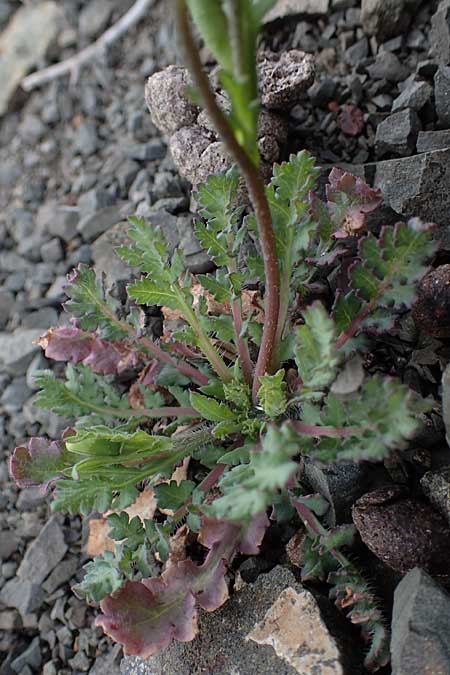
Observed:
{"x":9,"y":619}
{"x":442,"y":95}
{"x":428,"y":141}
{"x":29,"y":657}
{"x":431,"y":311}
{"x":109,"y":664}
{"x":397,"y":134}
{"x":388,"y":67}
{"x":271,"y":626}
{"x":415,"y":96}
{"x":94,"y":17}
{"x":59,"y":221}
{"x":94,"y":200}
{"x":17,"y":350}
{"x":24,"y":43}
{"x":419,"y":186}
{"x":61,"y":574}
{"x":44,"y":553}
{"x":436,"y":485}
{"x":283,"y":77}
{"x":8,"y":544}
{"x":86,"y":139}
{"x":285,"y":8}
{"x":147,"y":152}
{"x":165,"y":95}
{"x":93,"y":225}
{"x":6,"y":306}
{"x":15,"y":395}
{"x":104,"y":257}
{"x":403,"y":532}
{"x":187,"y":146}
{"x":22,"y":594}
{"x":386,"y":18}
{"x":420,"y":627}
{"x":440,"y":33}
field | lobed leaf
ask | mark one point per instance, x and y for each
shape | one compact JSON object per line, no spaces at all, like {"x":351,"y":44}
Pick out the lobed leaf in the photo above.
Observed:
{"x":39,"y":464}
{"x":350,"y":201}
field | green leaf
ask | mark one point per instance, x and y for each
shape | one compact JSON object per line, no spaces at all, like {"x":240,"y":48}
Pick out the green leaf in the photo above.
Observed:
{"x":148,"y":292}
{"x":210,"y":409}
{"x":122,"y":528}
{"x":149,"y":251}
{"x":272,"y":394}
{"x":83,"y":496}
{"x":294,"y":179}
{"x":101,"y":579}
{"x":172,"y":496}
{"x":89,"y":303}
{"x":210,"y":19}
{"x":218,"y":285}
{"x":249,"y":489}
{"x":239,"y":394}
{"x":316,"y":356}
{"x":261,"y":7}
{"x":391,"y":266}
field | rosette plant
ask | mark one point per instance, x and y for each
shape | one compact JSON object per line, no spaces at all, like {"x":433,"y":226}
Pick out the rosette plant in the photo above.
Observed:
{"x":258,"y":373}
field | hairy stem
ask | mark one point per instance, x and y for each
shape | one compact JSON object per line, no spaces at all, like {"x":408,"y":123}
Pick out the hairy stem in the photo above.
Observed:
{"x":256,"y":191}
{"x":242,"y":344}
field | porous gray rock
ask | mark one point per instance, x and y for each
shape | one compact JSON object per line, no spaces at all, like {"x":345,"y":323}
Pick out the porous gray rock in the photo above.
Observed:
{"x":442,"y":95}
{"x":187,"y":146}
{"x":440,"y":33}
{"x":271,"y":626}
{"x":165,"y":95}
{"x":44,"y":553}
{"x":386,"y":18}
{"x":420,"y":627}
{"x":397,"y":134}
{"x":285,"y":8}
{"x":284,"y":77}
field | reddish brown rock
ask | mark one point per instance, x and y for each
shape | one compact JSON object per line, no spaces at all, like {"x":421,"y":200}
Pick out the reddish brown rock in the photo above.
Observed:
{"x":431,"y":311}
{"x":403,"y":532}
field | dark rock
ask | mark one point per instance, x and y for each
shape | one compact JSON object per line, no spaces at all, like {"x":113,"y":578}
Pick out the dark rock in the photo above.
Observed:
{"x":283,"y":77}
{"x":397,"y":134}
{"x":386,"y":18}
{"x":431,"y":311}
{"x":436,"y":485}
{"x":94,"y":200}
{"x":428,"y":141}
{"x":126,"y":174}
{"x":17,"y":350}
{"x":29,"y":657}
{"x":94,"y":17}
{"x":15,"y":395}
{"x":91,"y":226}
{"x":86,"y":139}
{"x":403,"y":532}
{"x":415,"y":96}
{"x":29,"y":499}
{"x":420,"y":627}
{"x":442,"y":95}
{"x":44,"y":553}
{"x":23,"y":595}
{"x":388,"y":67}
{"x":426,"y":69}
{"x":271,"y":626}
{"x":322,"y":92}
{"x":8,"y":544}
{"x":109,"y":664}
{"x":6,"y":306}
{"x":165,"y":95}
{"x":147,"y":152}
{"x":440,"y":33}
{"x":357,"y":52}
{"x":419,"y":186}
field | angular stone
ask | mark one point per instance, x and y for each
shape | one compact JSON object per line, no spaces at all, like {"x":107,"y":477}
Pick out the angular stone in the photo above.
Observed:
{"x":414,"y":96}
{"x":440,"y":33}
{"x":23,"y":595}
{"x":44,"y":553}
{"x":428,"y":141}
{"x":386,"y":18}
{"x":272,"y":626}
{"x":8,"y":544}
{"x":29,"y":657}
{"x":442,"y":95}
{"x":104,"y":257}
{"x":420,"y":627}
{"x":95,"y":17}
{"x":93,"y":225}
{"x":285,"y":8}
{"x":59,"y":221}
{"x":24,"y":43}
{"x":17,"y":350}
{"x":388,"y":67}
{"x":61,"y":574}
{"x":419,"y":186}
{"x":436,"y":485}
{"x":109,"y":664}
{"x":397,"y":134}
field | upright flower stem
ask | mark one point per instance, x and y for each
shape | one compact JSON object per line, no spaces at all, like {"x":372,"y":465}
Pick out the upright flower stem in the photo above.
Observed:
{"x":256,"y":191}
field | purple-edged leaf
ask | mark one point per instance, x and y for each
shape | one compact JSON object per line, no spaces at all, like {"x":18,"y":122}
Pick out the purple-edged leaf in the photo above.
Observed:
{"x":77,"y":346}
{"x":350,"y":200}
{"x":146,"y":616}
{"x":39,"y":464}
{"x":254,"y":534}
{"x":248,"y":539}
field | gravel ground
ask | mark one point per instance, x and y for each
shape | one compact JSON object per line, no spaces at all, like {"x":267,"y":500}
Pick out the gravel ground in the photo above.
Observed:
{"x":76,"y":158}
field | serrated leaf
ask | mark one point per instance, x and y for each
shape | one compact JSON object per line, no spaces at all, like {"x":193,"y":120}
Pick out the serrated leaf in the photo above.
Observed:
{"x":90,"y":304}
{"x":102,"y":578}
{"x":83,"y":496}
{"x":350,"y":201}
{"x":149,"y":251}
{"x":273,"y":394}
{"x":294,"y":179}
{"x":122,"y":527}
{"x":173,"y":495}
{"x":210,"y":409}
{"x":39,"y":464}
{"x":148,"y":292}
{"x":218,"y":285}
{"x":316,"y":355}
